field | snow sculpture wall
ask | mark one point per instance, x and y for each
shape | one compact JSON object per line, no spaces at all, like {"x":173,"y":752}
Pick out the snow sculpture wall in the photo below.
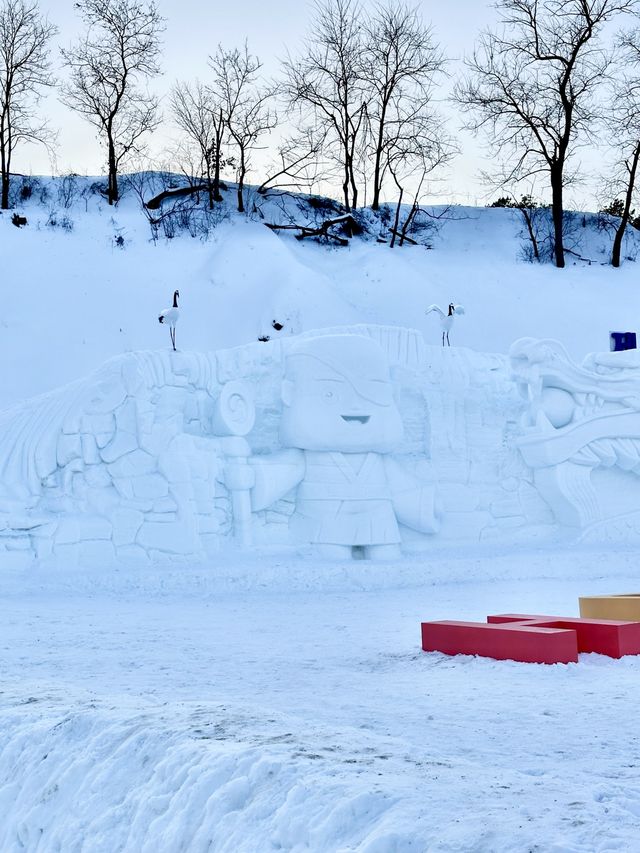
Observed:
{"x":581,"y":435}
{"x":127,"y":464}
{"x":153,"y":457}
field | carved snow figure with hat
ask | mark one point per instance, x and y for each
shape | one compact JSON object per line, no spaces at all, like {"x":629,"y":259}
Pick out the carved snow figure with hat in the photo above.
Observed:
{"x":340,"y":423}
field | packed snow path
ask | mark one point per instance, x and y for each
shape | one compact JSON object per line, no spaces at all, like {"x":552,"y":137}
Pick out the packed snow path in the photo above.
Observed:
{"x":136,"y":717}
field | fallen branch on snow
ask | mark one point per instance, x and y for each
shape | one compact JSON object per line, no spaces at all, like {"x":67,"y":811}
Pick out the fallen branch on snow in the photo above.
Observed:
{"x":347,"y":222}
{"x":154,"y":203}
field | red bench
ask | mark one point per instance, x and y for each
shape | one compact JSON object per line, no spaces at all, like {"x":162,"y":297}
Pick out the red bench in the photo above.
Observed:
{"x":532,"y":639}
{"x":508,"y":641}
{"x":611,"y":637}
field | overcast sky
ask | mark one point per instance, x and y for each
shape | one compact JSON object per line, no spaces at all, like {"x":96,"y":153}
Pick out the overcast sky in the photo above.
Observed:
{"x":193,"y":30}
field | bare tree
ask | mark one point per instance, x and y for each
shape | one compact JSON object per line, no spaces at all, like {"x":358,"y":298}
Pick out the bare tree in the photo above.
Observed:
{"x":297,"y":165}
{"x":24,"y":72}
{"x":119,"y":51}
{"x":200,"y":114}
{"x":532,"y":214}
{"x":622,"y":122}
{"x":412,"y":158}
{"x":182,"y":157}
{"x":326,"y":83}
{"x":401,"y":64}
{"x":247,"y":112}
{"x":531,"y":87}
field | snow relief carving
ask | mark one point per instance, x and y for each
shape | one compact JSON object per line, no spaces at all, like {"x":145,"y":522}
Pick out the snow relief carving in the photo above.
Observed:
{"x":339,"y":424}
{"x":165,"y":457}
{"x":331,"y":439}
{"x":127,"y":464}
{"x":581,"y":421}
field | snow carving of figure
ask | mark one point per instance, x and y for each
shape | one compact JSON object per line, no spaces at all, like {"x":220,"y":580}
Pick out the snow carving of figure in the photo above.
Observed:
{"x":339,"y":424}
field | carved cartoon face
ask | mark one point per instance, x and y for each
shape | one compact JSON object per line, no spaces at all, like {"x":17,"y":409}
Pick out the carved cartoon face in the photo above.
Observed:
{"x":338,"y":396}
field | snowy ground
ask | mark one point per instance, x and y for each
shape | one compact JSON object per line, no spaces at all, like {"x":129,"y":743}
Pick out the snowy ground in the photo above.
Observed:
{"x":166,"y":711}
{"x":271,"y":702}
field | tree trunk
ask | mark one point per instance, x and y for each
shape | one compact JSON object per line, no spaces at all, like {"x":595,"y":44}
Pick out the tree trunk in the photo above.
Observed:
{"x":4,"y":205}
{"x":354,"y":186}
{"x":345,"y":184}
{"x":377,"y":167}
{"x":397,"y":219}
{"x":216,"y":174}
{"x":375,"y":204}
{"x":617,"y":241}
{"x":4,"y":169}
{"x":210,"y":191}
{"x":351,"y":173}
{"x":407,"y":223}
{"x":216,"y":179}
{"x":532,"y":234}
{"x":241,"y":173}
{"x":112,"y":187}
{"x":557,"y":214}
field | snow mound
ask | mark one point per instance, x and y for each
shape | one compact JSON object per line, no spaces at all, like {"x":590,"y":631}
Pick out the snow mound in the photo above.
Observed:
{"x":185,"y":786}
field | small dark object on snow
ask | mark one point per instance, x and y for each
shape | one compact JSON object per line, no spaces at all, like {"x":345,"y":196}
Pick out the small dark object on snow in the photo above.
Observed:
{"x":317,"y":202}
{"x":619,"y":341}
{"x":119,"y":241}
{"x":264,"y":338}
{"x":18,"y":220}
{"x":277,"y":326}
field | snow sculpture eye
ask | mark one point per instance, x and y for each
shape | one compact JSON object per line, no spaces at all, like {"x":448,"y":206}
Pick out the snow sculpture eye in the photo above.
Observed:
{"x":329,"y":394}
{"x":558,"y":405}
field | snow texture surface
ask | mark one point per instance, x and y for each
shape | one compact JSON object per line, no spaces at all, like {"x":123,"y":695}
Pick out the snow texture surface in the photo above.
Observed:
{"x":164,"y":689}
{"x":169,"y":712}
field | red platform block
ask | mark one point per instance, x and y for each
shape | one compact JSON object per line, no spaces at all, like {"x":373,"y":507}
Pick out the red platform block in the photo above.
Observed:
{"x":610,"y":637}
{"x":502,"y":641}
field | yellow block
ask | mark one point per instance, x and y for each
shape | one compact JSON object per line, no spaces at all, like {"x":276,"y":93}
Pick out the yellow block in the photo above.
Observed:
{"x":625,"y":608}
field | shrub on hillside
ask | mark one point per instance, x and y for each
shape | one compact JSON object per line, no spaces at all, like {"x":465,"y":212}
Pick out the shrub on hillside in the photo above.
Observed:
{"x":616,"y":208}
{"x":55,"y":220}
{"x":24,"y":188}
{"x":68,"y":190}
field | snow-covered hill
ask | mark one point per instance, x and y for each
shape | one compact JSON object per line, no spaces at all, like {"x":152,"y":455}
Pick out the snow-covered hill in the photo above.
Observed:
{"x":73,"y":298}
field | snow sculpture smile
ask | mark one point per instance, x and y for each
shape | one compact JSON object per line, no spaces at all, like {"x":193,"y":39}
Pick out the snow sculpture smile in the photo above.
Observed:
{"x":579,"y":419}
{"x":340,"y":423}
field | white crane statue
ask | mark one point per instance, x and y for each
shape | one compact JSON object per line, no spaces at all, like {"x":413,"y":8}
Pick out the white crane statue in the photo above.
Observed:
{"x":170,"y":317}
{"x":446,"y":320}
